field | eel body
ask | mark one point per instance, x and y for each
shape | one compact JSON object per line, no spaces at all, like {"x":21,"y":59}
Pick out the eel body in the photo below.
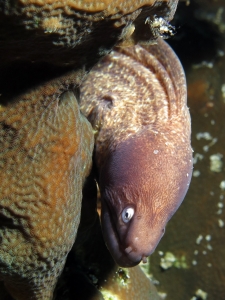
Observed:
{"x":135,"y":99}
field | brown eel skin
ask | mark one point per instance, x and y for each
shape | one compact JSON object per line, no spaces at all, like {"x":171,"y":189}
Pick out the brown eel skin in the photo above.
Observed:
{"x":135,"y":99}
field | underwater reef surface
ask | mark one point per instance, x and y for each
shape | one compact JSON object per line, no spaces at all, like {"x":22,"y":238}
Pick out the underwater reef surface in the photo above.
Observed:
{"x":46,"y":154}
{"x":75,"y":33}
{"x":43,"y":62}
{"x":189,"y":262}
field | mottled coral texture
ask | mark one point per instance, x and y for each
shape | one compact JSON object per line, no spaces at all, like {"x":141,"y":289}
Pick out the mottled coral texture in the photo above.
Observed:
{"x":46,"y":149}
{"x":75,"y":31}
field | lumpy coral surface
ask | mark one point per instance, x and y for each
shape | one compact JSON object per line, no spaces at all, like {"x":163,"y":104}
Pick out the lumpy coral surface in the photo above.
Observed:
{"x":74,"y":32}
{"x":46,"y":148}
{"x":110,"y":7}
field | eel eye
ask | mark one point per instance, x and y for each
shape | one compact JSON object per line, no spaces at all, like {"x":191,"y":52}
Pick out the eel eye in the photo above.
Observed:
{"x":127,"y":214}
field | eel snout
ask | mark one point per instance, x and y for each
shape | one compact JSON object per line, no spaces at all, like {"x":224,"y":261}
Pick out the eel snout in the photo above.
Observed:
{"x":130,"y":243}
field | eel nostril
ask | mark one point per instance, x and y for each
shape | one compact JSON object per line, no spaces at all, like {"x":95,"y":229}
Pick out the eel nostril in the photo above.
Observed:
{"x":128,"y":249}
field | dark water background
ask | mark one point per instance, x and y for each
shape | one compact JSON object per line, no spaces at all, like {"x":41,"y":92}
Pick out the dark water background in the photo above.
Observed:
{"x":196,"y":234}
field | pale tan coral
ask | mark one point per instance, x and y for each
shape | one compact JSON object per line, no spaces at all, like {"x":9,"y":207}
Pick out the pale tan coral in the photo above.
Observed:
{"x":129,"y":284}
{"x":51,"y":24}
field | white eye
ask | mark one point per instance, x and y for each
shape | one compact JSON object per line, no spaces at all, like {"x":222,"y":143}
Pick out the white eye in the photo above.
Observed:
{"x":127,"y":214}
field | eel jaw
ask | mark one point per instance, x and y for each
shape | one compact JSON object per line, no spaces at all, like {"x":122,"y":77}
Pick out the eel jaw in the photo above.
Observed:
{"x":123,"y":257}
{"x":128,"y":247}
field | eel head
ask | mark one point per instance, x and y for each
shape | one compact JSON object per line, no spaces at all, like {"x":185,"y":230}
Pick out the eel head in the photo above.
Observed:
{"x":142,"y":184}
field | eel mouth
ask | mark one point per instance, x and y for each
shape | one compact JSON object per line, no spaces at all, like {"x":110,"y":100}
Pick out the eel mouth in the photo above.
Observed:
{"x":123,"y":256}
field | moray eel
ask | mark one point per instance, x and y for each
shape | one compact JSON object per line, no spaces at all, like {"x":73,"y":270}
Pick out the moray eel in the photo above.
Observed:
{"x":135,"y":99}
